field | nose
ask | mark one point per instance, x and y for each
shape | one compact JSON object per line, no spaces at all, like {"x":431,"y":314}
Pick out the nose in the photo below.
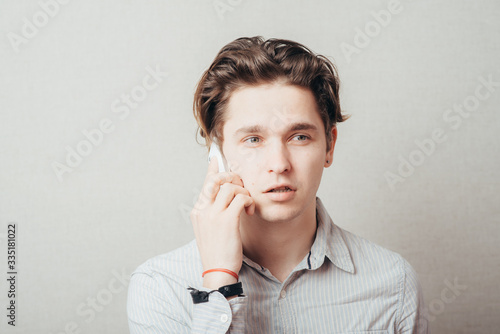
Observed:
{"x":278,"y":158}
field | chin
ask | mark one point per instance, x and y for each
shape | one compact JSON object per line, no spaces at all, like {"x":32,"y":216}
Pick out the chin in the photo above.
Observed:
{"x":284,"y":211}
{"x":277,"y":213}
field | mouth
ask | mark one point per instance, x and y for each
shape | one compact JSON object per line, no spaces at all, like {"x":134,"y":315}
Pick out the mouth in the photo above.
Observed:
{"x":281,"y":193}
{"x":280,"y":189}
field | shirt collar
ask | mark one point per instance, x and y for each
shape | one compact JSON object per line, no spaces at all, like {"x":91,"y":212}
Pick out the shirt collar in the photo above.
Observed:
{"x":329,"y":243}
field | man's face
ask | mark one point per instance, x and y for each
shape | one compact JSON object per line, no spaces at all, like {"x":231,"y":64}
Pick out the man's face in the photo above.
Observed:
{"x":274,"y":139}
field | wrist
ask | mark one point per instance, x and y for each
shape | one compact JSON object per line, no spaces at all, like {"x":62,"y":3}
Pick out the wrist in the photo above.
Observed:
{"x":228,"y":291}
{"x":214,"y":280}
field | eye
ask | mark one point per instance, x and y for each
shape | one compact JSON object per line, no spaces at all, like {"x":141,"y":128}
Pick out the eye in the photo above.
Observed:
{"x":252,"y":140}
{"x":301,"y":137}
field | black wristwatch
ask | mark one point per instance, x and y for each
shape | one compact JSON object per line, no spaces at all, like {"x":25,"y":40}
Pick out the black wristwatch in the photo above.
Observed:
{"x":235,"y":289}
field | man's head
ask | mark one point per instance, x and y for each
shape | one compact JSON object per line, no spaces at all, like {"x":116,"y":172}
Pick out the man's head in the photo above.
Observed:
{"x":254,"y":61}
{"x":272,"y":107}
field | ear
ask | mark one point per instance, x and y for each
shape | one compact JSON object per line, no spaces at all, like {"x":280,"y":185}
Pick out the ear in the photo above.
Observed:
{"x":329,"y":154}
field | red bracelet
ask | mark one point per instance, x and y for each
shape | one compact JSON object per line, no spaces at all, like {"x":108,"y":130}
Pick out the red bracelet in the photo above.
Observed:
{"x":227,"y":271}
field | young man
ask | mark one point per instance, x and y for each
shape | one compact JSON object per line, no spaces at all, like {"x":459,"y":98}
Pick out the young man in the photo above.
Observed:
{"x":267,"y":257}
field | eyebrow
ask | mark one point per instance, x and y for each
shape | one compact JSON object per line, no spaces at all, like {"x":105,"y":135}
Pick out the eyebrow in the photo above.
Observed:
{"x":303,"y":126}
{"x":293,"y":127}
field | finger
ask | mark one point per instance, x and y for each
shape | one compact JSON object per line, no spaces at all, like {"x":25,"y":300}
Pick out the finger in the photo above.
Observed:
{"x":214,"y":181}
{"x":226,"y":194}
{"x":213,"y":167}
{"x":212,"y":170}
{"x":224,"y":177}
{"x":239,"y":203}
{"x":250,"y":209}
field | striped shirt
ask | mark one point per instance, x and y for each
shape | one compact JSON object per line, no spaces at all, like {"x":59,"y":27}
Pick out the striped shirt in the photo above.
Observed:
{"x":345,"y":284}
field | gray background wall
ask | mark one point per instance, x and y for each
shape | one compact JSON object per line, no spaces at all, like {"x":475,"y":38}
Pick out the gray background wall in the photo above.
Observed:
{"x":79,"y":238}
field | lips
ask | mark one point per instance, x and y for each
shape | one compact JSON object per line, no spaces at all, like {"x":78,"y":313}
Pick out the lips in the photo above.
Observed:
{"x":280,"y":193}
{"x":280,"y":188}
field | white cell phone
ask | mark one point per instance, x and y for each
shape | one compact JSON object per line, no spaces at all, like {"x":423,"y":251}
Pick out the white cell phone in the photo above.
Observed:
{"x":215,"y":152}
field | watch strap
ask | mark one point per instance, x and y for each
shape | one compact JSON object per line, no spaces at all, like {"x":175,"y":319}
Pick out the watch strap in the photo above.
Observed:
{"x":235,"y":289}
{"x":230,"y":290}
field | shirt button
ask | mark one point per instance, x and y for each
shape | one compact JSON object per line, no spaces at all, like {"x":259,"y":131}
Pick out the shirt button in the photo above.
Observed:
{"x":283,"y":294}
{"x":224,"y":318}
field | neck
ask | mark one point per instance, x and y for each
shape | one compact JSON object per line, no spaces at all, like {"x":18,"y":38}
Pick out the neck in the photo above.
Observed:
{"x":279,"y":246}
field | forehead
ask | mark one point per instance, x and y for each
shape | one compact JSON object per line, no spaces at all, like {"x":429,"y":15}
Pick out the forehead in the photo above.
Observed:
{"x":271,"y":107}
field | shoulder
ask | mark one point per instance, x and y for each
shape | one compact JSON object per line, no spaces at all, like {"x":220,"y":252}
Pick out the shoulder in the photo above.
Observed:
{"x":357,"y":255}
{"x":370,"y":256}
{"x":378,"y":264}
{"x":377,"y":269}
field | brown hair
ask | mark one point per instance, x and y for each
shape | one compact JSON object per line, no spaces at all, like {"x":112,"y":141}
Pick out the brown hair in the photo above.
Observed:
{"x":250,"y":61}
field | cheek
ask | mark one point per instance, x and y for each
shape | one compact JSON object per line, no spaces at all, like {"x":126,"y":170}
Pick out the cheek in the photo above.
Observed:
{"x":311,"y":161}
{"x":249,"y":180}
{"x":239,"y":158}
{"x":310,"y":168}
{"x":248,"y":173}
